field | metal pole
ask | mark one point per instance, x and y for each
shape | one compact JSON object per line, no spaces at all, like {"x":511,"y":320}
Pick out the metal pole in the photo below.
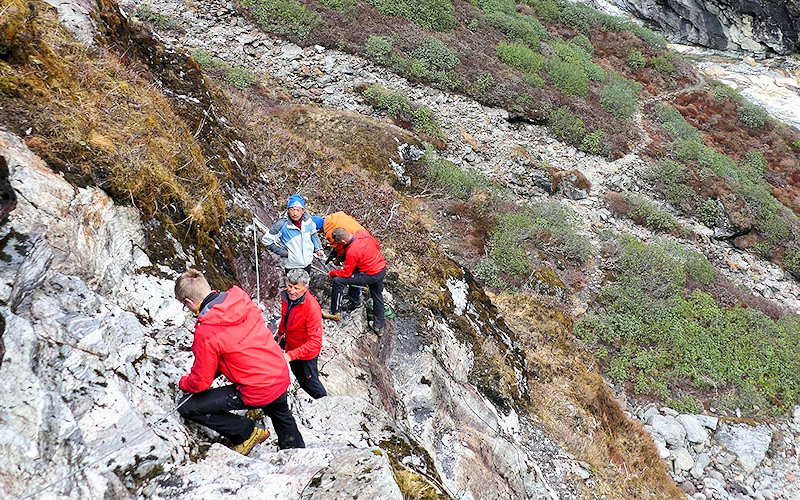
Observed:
{"x":255,"y":252}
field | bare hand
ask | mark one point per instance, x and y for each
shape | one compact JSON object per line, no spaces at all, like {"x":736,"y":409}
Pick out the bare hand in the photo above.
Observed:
{"x":286,"y":357}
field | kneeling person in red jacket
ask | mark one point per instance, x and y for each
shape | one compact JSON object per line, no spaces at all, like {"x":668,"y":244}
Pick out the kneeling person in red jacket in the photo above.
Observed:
{"x":230,"y":337}
{"x":363,"y":265}
{"x":300,"y":331}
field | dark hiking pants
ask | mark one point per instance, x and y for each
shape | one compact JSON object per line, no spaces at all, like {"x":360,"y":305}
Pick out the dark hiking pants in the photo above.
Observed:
{"x":212,"y":408}
{"x":307,"y":375}
{"x":375,"y":282}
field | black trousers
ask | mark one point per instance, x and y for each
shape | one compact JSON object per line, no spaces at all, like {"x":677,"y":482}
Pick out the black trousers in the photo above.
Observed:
{"x":375,"y":282}
{"x":307,"y":375}
{"x":212,"y":409}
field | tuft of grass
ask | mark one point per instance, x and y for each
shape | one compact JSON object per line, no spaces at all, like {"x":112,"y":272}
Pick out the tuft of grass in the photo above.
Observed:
{"x":436,"y":15}
{"x":659,"y":337}
{"x":643,"y":212}
{"x":566,"y":127}
{"x":284,"y":17}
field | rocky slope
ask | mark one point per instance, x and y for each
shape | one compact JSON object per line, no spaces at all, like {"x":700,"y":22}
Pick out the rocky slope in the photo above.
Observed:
{"x":408,"y":408}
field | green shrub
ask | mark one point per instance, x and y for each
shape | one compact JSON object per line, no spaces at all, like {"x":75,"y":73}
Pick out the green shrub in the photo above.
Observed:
{"x":657,"y":336}
{"x":646,"y":213}
{"x":284,"y":17}
{"x":519,"y":28}
{"x":708,"y":212}
{"x":483,"y":84}
{"x":636,"y":60}
{"x":438,"y":55}
{"x":241,"y":78}
{"x":154,"y":19}
{"x":791,"y":261}
{"x":395,"y":104}
{"x":620,"y":97}
{"x":488,"y":270}
{"x":446,"y":175}
{"x":796,"y":144}
{"x":569,"y":78}
{"x":436,"y":15}
{"x":579,"y":16}
{"x":203,"y":57}
{"x":546,"y":10}
{"x":722,"y":91}
{"x":377,"y":47}
{"x":474,"y":24}
{"x":673,"y":121}
{"x":647,"y":36}
{"x":519,"y":57}
{"x":582,"y":41}
{"x":752,"y":115}
{"x":752,"y":167}
{"x":492,"y":6}
{"x":418,"y":68}
{"x":448,"y":80}
{"x":594,"y":143}
{"x":566,"y":127}
{"x":663,"y":64}
{"x":423,"y":123}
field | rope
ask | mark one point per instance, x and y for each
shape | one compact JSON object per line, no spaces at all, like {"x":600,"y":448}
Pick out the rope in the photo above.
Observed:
{"x":255,"y":252}
{"x":98,"y":459}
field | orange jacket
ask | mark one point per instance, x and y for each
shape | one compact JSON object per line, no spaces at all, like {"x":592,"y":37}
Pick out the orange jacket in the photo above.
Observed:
{"x":339,"y":219}
{"x":231,"y":338}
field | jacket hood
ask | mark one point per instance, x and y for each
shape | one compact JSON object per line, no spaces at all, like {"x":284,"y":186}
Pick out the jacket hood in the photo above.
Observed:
{"x":232,"y":311}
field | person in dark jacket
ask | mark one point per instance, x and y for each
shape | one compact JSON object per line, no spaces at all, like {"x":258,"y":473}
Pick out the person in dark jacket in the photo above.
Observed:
{"x":230,"y":338}
{"x":363,"y":265}
{"x":300,"y":332}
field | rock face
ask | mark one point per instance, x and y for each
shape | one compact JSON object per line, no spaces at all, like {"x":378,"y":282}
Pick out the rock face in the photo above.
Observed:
{"x":746,"y":25}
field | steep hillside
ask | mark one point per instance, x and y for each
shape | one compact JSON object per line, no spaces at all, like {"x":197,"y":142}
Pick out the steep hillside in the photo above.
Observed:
{"x":545,"y":296}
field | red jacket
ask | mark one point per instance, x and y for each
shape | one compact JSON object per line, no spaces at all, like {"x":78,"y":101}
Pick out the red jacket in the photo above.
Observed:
{"x":363,"y":254}
{"x":231,"y":338}
{"x":302,"y":326}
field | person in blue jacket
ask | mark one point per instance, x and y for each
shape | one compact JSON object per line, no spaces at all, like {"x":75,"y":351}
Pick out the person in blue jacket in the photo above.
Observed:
{"x":294,"y":236}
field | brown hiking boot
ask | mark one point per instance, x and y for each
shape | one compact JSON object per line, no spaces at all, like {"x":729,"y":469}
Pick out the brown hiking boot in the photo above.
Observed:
{"x":333,"y":316}
{"x":258,"y":436}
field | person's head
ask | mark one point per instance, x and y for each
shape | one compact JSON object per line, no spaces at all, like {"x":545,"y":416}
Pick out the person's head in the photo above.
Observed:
{"x":341,"y":235}
{"x":296,"y":283}
{"x":296,"y":207}
{"x":191,"y":288}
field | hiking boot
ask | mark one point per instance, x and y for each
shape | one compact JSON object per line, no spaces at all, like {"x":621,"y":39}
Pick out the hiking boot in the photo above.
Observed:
{"x":258,"y":436}
{"x":350,"y":306}
{"x":378,"y":331}
{"x":334,"y":316}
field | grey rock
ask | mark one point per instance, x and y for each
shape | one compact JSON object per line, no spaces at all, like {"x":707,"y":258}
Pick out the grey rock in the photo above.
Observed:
{"x":749,"y":444}
{"x":688,"y":488}
{"x":707,"y":421}
{"x":682,"y":460}
{"x":701,"y":461}
{"x":649,"y":414}
{"x":669,"y":429}
{"x":695,"y":433}
{"x":291,"y":51}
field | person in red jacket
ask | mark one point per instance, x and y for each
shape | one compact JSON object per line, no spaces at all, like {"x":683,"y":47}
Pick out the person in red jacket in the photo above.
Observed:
{"x":300,"y":332}
{"x":230,"y":338}
{"x":363,"y":265}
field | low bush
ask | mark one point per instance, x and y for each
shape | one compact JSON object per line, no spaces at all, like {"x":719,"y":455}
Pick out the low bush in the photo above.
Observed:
{"x":436,"y":54}
{"x":400,"y":108}
{"x":519,"y":57}
{"x":660,"y":338}
{"x":546,"y":10}
{"x":519,"y":28}
{"x":663,"y":64}
{"x":446,"y":175}
{"x":582,"y":41}
{"x":154,"y":19}
{"x":708,"y":212}
{"x":752,"y":115}
{"x":341,"y":5}
{"x":620,"y":97}
{"x":644,"y":212}
{"x":566,"y":127}
{"x":636,"y":60}
{"x":436,"y":15}
{"x":240,"y":77}
{"x":569,"y":78}
{"x":594,"y":143}
{"x":483,"y":84}
{"x":284,"y":17}
{"x":377,"y":48}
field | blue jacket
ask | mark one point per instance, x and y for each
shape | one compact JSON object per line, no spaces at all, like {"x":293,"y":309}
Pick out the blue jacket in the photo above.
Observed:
{"x":295,"y":245}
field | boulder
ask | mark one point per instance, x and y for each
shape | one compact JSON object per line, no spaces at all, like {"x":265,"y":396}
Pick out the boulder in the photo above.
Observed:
{"x":682,"y":460}
{"x":695,"y":433}
{"x":749,"y":444}
{"x":701,"y":461}
{"x":669,"y":429}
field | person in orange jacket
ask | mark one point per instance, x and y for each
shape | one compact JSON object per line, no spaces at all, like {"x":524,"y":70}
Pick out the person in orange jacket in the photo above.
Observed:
{"x":230,"y":338}
{"x":363,"y":265}
{"x":300,"y":332}
{"x":330,"y":222}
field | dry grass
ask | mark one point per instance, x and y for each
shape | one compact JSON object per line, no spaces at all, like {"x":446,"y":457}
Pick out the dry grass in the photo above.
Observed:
{"x":577,"y":408}
{"x":100,"y":122}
